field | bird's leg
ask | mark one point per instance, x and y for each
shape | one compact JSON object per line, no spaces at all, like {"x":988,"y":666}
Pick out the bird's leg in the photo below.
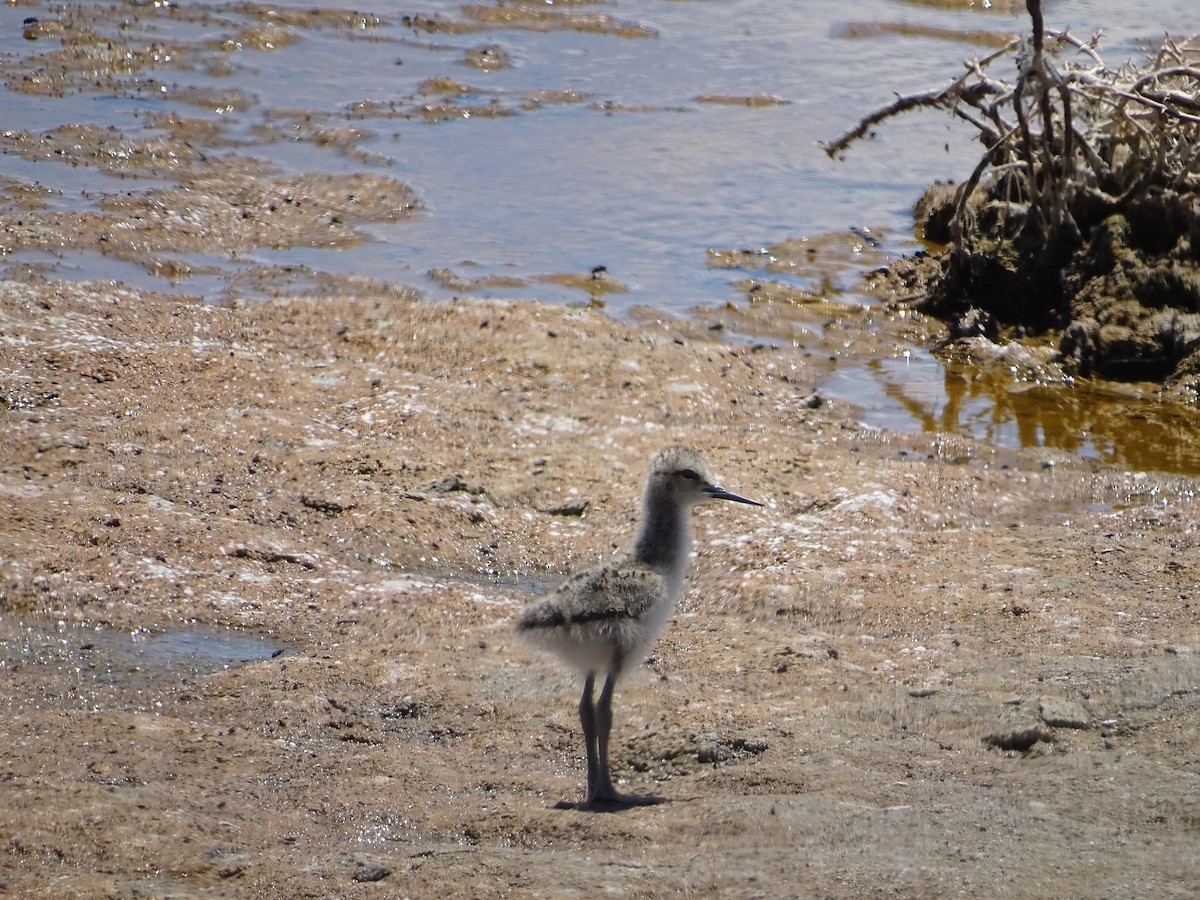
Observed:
{"x":587,"y":718}
{"x":601,"y":791}
{"x":604,"y":787}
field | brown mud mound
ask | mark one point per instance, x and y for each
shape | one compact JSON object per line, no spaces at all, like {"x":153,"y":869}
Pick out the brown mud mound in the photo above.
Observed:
{"x":1080,"y":218}
{"x":1125,"y":305}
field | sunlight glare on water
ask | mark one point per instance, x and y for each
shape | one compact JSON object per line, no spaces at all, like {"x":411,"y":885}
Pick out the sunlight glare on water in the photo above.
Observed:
{"x":564,"y":187}
{"x":639,"y":154}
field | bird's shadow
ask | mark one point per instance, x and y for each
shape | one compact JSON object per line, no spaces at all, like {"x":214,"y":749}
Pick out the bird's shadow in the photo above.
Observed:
{"x":624,"y":803}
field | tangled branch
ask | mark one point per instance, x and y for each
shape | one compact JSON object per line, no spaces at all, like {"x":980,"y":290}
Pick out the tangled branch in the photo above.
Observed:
{"x":1070,"y":140}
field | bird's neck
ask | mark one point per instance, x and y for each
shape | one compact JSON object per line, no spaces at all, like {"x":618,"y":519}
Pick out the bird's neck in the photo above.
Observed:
{"x":664,"y":540}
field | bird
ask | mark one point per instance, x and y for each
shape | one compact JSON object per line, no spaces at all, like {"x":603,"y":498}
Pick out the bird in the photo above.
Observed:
{"x":603,"y":620}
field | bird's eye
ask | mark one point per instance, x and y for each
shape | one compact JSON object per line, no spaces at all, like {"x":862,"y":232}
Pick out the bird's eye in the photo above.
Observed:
{"x":689,"y":474}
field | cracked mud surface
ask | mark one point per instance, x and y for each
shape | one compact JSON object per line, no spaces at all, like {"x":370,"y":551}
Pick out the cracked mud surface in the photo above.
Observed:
{"x":927,"y":668}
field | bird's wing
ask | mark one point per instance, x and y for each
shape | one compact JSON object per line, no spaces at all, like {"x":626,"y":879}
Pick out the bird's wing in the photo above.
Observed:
{"x":604,"y":594}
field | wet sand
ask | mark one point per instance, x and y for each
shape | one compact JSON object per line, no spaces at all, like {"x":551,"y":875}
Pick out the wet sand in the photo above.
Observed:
{"x":927,"y":668}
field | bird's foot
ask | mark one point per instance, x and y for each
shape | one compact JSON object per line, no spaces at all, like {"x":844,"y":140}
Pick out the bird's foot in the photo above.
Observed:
{"x":610,"y":800}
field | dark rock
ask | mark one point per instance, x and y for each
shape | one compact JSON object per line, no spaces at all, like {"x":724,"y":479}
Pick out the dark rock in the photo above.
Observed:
{"x":751,"y":745}
{"x":447,"y":485}
{"x":1020,"y":738}
{"x":327,"y":505}
{"x":712,"y":753}
{"x":369,"y":873}
{"x":570,"y":508}
{"x":1059,"y":713}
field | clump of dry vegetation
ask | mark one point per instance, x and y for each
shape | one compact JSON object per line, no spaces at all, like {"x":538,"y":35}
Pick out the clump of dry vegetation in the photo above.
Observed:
{"x":1081,"y":216}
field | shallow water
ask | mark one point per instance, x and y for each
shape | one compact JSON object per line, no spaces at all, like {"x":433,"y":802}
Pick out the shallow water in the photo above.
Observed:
{"x":566,"y":187}
{"x":595,"y":149}
{"x":135,"y":665}
{"x":1116,"y":424}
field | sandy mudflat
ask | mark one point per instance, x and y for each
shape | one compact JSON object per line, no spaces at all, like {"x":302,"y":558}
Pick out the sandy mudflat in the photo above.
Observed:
{"x":375,"y":487}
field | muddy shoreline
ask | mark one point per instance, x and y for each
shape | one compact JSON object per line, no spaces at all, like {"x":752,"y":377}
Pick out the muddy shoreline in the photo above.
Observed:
{"x":261,"y":561}
{"x":378,"y":485}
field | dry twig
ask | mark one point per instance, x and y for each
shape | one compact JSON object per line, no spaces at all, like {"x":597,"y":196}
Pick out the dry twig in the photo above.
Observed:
{"x":1086,"y":137}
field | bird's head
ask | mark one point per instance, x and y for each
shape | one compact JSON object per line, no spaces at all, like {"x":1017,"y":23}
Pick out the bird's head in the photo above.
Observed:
{"x":682,"y":474}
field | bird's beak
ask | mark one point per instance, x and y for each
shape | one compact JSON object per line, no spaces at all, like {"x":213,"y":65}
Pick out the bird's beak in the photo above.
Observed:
{"x":719,"y":493}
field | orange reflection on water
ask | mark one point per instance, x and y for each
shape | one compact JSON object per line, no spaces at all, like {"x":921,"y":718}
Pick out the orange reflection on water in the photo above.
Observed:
{"x":1125,"y":425}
